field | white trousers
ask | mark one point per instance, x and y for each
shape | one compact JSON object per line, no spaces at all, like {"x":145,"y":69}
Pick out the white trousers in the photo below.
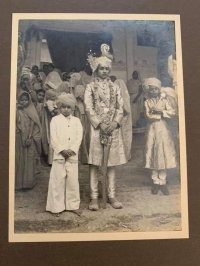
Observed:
{"x":94,"y":182}
{"x":63,"y":191}
{"x":159,"y":177}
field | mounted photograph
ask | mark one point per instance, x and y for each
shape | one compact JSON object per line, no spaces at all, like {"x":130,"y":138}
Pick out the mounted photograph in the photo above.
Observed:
{"x":97,"y":128}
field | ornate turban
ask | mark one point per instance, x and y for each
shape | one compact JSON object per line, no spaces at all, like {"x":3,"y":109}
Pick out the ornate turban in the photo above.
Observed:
{"x":104,"y":60}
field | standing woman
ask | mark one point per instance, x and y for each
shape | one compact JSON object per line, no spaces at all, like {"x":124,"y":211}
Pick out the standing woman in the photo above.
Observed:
{"x":28,"y":142}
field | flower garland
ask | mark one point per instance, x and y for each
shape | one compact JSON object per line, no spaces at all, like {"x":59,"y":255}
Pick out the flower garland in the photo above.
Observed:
{"x":112,"y":104}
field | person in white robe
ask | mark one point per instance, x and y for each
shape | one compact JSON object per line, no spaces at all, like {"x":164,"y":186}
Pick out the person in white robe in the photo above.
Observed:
{"x":159,"y":149}
{"x":66,"y":136}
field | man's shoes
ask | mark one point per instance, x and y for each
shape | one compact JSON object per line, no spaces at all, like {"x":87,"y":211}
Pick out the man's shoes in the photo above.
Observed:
{"x":155,"y":189}
{"x":164,"y":190}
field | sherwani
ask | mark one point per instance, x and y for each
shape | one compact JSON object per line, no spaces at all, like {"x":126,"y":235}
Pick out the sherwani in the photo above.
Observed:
{"x":117,"y":155}
{"x":63,"y":192}
{"x":159,"y":149}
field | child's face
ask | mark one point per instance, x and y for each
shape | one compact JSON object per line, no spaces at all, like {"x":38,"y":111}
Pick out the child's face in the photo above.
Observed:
{"x":103,"y":71}
{"x":24,"y":101}
{"x":40,"y":97}
{"x":66,"y":110}
{"x":153,"y":91}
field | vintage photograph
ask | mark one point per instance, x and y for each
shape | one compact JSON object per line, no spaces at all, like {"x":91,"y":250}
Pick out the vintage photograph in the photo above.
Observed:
{"x":97,"y":128}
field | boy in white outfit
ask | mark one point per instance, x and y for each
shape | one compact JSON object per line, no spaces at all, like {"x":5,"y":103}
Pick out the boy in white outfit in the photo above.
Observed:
{"x":66,"y":136}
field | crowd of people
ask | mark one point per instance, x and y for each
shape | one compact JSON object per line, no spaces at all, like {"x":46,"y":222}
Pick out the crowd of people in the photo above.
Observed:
{"x":66,"y":118}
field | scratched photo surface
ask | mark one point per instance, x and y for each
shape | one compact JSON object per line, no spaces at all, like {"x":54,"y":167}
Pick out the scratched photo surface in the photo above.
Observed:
{"x":97,"y":139}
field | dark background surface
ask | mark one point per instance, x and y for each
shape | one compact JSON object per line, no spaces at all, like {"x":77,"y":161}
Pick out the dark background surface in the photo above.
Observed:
{"x":151,"y":252}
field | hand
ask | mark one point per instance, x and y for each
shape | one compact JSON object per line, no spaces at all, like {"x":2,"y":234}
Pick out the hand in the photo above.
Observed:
{"x":65,"y":154}
{"x":139,"y":93}
{"x":157,"y":111}
{"x":103,"y":127}
{"x":112,"y":127}
{"x":135,"y":100}
{"x":70,"y":152}
{"x":28,"y":142}
{"x":140,"y":90}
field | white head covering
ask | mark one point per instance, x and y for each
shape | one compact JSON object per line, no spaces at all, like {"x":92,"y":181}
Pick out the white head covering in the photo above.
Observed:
{"x":151,"y":82}
{"x":65,"y":98}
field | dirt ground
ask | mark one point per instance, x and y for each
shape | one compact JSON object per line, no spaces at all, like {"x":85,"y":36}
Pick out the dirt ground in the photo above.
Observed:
{"x":141,"y":211}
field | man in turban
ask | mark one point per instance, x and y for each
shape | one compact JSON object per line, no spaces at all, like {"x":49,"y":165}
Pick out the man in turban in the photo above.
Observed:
{"x":66,"y":136}
{"x":104,"y":109}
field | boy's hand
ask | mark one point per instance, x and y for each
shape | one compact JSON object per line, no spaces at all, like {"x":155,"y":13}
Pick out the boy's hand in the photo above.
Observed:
{"x":70,"y":152}
{"x":157,"y":111}
{"x":64,"y":153}
{"x":28,"y":142}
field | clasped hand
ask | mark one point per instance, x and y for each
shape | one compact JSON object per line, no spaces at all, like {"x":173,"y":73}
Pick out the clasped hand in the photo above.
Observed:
{"x":67,"y":153}
{"x":108,"y":128}
{"x":157,"y":111}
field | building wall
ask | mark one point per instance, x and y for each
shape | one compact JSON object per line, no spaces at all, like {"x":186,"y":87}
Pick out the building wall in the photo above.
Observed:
{"x":127,"y":55}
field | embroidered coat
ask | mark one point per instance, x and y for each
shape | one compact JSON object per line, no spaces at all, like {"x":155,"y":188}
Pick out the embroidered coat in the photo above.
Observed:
{"x":104,"y":104}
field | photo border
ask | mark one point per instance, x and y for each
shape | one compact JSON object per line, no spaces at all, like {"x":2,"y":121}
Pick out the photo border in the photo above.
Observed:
{"x":60,"y":237}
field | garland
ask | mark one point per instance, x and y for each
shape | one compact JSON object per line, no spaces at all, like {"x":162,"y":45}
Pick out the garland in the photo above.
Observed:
{"x":112,"y":104}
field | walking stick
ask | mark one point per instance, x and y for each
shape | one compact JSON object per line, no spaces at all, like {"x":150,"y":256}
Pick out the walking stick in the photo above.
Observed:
{"x":104,"y":170}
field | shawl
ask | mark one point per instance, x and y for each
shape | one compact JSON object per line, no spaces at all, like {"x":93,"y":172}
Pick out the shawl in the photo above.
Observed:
{"x":31,"y":112}
{"x":53,"y":80}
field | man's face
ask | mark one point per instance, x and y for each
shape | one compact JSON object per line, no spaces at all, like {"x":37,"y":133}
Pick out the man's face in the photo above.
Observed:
{"x":45,"y":68}
{"x":103,"y":71}
{"x":66,"y":110}
{"x":24,"y":101}
{"x":40,"y":97}
{"x":35,"y":70}
{"x":135,"y":75}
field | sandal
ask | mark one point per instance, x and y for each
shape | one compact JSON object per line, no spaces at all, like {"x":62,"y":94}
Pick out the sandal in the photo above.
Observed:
{"x":115,"y":203}
{"x":93,"y":206}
